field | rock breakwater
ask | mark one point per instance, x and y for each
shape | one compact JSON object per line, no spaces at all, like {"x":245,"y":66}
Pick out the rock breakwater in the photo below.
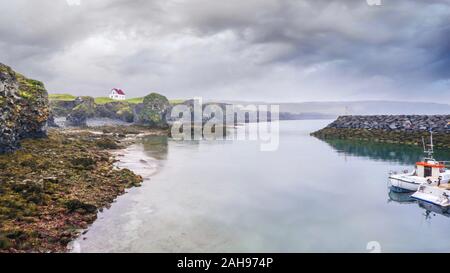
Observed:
{"x":416,"y":123}
{"x":404,"y":129}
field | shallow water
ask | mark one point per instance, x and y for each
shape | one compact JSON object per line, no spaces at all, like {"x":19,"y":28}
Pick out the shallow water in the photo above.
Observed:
{"x":92,"y":122}
{"x":308,"y":196}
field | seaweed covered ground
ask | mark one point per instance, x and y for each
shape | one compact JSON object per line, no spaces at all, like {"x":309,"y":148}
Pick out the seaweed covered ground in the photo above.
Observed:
{"x":52,"y":188}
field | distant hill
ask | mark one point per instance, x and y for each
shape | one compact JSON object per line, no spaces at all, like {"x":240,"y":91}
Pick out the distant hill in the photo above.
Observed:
{"x":359,"y":108}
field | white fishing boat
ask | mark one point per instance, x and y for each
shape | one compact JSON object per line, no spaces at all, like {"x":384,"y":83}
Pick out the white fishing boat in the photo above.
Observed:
{"x":434,"y":194}
{"x":436,"y":189}
{"x":427,"y":172}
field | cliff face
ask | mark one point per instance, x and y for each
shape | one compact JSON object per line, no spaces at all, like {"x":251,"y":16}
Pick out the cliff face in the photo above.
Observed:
{"x":152,"y":112}
{"x":116,"y":110}
{"x":24,"y":108}
{"x":84,"y":109}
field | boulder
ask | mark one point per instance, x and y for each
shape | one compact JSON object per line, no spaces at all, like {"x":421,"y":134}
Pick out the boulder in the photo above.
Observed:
{"x":82,"y":207}
{"x":25,"y":108}
{"x":153,"y":111}
{"x":84,"y":109}
{"x":393,"y":126}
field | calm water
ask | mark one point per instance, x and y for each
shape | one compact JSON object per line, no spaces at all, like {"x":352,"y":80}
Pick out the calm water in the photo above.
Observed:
{"x":309,"y":196}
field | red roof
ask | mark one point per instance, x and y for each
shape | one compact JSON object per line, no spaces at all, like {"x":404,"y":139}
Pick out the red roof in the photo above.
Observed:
{"x":119,"y":91}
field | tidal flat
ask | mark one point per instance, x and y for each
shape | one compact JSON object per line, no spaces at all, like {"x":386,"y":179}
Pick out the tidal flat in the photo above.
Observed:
{"x":52,"y":188}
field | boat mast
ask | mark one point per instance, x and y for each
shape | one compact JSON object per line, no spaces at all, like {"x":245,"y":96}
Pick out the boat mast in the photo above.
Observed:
{"x":424,"y":146}
{"x":429,"y":151}
{"x":432,"y":144}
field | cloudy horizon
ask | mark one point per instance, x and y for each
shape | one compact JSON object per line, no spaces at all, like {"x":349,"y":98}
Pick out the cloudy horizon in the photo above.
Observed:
{"x":272,"y":50}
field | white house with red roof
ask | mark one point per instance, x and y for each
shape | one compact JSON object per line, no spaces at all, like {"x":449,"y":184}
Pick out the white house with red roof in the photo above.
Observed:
{"x":117,"y":94}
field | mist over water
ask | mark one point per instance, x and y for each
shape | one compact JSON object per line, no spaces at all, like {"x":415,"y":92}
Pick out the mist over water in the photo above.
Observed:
{"x":228,"y":196}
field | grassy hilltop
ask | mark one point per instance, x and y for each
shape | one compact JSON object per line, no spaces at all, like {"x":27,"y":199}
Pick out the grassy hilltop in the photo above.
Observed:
{"x":103,"y":100}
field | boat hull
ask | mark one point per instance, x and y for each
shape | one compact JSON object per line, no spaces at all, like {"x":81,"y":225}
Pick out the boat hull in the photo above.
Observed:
{"x":433,"y":195}
{"x":403,"y":185}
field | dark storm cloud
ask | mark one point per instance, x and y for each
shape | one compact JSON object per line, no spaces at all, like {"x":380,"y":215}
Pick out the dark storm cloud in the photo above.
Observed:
{"x":255,"y":49}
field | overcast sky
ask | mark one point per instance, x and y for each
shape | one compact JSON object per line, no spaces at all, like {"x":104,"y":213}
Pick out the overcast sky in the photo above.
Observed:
{"x":273,"y":50}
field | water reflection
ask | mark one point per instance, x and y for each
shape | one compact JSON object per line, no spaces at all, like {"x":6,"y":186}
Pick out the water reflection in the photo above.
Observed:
{"x":220,"y":196}
{"x":405,"y":198}
{"x":376,"y":151}
{"x":156,"y":147}
{"x":403,"y":154}
{"x":432,"y":210}
{"x":400,"y":197}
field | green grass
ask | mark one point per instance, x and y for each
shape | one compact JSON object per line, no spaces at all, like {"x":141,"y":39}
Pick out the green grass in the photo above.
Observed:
{"x":63,"y":97}
{"x":136,"y":100}
{"x":104,"y":100}
{"x":176,"y":101}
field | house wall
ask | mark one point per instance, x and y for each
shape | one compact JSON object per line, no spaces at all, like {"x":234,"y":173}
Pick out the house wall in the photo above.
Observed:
{"x":116,"y":96}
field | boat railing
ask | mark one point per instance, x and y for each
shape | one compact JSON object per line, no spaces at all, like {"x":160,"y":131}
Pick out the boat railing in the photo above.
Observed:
{"x":445,"y":163}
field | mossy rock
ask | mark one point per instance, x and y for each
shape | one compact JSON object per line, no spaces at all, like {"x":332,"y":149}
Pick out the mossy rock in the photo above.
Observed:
{"x":77,"y":205}
{"x":154,"y":111}
{"x":25,"y":109}
{"x":83,"y":163}
{"x":5,"y":243}
{"x":129,"y":178}
{"x":107,"y":143}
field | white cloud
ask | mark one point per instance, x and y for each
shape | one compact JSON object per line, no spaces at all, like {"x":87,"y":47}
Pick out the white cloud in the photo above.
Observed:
{"x":282,"y":50}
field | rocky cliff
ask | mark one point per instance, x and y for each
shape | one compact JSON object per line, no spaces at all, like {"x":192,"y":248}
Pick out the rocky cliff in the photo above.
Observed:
{"x":116,"y":110}
{"x":152,"y":112}
{"x":25,"y":108}
{"x":84,"y":109}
